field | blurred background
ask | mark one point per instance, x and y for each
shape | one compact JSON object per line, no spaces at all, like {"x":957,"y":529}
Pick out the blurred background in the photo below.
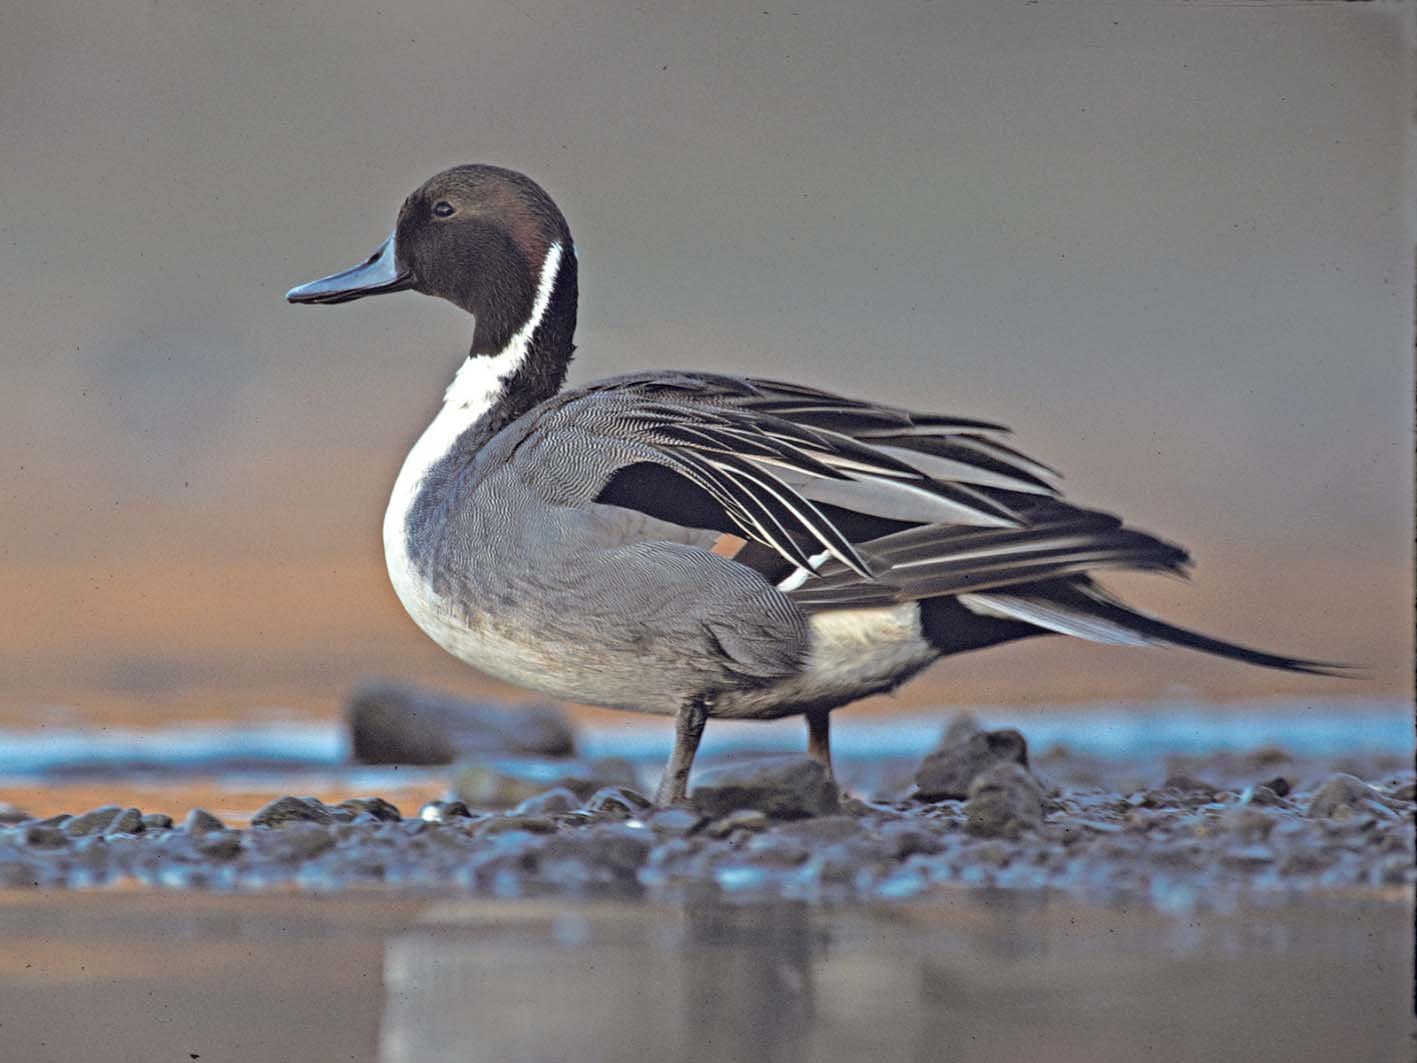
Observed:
{"x":1167,"y":244}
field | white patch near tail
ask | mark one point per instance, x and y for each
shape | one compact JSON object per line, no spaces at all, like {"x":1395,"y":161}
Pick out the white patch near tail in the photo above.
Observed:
{"x":853,"y":649}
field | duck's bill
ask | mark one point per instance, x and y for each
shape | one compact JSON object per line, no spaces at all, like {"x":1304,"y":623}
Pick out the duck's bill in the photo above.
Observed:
{"x":379,"y":274}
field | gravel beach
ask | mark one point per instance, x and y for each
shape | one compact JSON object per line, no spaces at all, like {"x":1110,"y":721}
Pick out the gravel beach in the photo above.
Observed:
{"x":1177,"y":833}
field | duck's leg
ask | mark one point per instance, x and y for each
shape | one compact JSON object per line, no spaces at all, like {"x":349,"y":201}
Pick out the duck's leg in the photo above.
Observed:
{"x":819,"y":739}
{"x":688,"y":729}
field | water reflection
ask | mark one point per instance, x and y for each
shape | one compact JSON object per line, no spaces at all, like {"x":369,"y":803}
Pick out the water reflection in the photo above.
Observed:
{"x":955,"y":980}
{"x":142,"y":976}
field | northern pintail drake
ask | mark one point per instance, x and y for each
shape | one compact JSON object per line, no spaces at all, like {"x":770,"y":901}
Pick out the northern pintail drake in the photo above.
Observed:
{"x":701,"y":545}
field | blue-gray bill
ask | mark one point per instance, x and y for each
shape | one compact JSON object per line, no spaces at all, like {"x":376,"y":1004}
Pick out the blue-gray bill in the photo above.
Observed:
{"x":379,"y":273}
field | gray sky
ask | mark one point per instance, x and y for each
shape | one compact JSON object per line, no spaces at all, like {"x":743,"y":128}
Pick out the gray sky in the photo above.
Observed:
{"x":1167,"y":244}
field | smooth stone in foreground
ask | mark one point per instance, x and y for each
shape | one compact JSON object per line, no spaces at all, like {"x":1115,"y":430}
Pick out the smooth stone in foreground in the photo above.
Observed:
{"x":785,"y":787}
{"x":391,"y":723}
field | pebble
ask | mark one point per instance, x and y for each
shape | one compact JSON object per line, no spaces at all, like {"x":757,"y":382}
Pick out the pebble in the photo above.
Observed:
{"x":506,"y":781}
{"x":444,"y":811}
{"x":1177,"y":846}
{"x":557,"y":799}
{"x":504,"y":824}
{"x":219,"y":844}
{"x":750,"y":819}
{"x":781,"y":787}
{"x":375,"y":807}
{"x":199,"y":821}
{"x":674,"y":821}
{"x":95,"y":821}
{"x":1004,"y":802}
{"x":1340,"y":797}
{"x":1263,"y":794}
{"x":286,"y":810}
{"x":618,"y":801}
{"x":296,"y":840}
{"x":949,"y":771}
{"x":128,"y":821}
{"x":11,"y":815}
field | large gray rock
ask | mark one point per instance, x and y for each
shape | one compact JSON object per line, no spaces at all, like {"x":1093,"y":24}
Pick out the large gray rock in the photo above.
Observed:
{"x":965,"y":755}
{"x":391,"y":723}
{"x":785,"y":787}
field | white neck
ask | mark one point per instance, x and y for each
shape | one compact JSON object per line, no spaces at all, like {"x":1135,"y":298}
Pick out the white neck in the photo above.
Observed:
{"x":476,"y":388}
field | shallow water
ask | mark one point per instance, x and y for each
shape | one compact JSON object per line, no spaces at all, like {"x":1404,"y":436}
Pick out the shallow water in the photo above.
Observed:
{"x":121,"y":976}
{"x":410,"y":974}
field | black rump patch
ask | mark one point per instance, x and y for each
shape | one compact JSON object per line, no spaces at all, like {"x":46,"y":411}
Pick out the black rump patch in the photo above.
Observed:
{"x":951,"y":628}
{"x":662,"y":493}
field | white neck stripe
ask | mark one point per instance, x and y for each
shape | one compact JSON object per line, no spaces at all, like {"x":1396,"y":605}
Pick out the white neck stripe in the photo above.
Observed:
{"x":474,"y":390}
{"x":479,"y":380}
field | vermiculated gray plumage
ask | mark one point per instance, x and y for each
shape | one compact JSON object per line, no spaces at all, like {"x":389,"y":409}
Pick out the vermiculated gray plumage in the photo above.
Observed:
{"x":700,"y":544}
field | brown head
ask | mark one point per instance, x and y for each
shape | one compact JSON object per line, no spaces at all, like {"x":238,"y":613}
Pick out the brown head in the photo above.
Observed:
{"x":478,"y":236}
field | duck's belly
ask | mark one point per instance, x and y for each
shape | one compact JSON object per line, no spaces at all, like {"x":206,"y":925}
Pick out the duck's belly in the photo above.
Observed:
{"x":852,"y":653}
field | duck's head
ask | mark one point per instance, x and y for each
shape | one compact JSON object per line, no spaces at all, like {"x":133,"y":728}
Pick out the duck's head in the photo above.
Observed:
{"x":484,"y":238}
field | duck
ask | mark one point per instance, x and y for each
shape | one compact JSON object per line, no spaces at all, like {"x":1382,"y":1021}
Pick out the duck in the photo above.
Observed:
{"x":703,"y":545}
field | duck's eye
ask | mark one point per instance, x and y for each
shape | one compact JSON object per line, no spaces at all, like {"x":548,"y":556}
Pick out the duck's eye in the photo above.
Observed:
{"x":443,"y":209}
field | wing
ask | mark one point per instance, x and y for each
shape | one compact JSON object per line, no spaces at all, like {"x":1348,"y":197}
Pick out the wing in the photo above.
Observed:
{"x":843,"y":503}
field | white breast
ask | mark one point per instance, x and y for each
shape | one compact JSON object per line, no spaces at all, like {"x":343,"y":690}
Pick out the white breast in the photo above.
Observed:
{"x":475,"y":389}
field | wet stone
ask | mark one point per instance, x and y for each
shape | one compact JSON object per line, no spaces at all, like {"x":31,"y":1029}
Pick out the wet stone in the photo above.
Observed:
{"x":1004,"y":802}
{"x":285,"y":810}
{"x":505,"y":824}
{"x":1262,"y":794}
{"x":749,"y":819}
{"x":904,"y":839}
{"x":10,"y":815}
{"x":557,"y":799}
{"x":129,"y":821}
{"x":219,"y":844}
{"x":376,"y":807}
{"x":95,"y":821}
{"x":1188,"y":784}
{"x":1249,"y":823}
{"x":157,"y":821}
{"x":507,"y":781}
{"x":444,"y":811}
{"x":674,"y":821}
{"x":1340,"y":797}
{"x":39,"y":836}
{"x":781,"y":787}
{"x":1280,"y":785}
{"x":297,"y":840}
{"x":1248,"y":856}
{"x":618,"y":801}
{"x":948,"y":772}
{"x":822,"y":831}
{"x":199,"y":821}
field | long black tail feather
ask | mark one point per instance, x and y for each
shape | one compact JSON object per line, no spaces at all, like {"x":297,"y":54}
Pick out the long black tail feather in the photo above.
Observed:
{"x":1086,"y":611}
